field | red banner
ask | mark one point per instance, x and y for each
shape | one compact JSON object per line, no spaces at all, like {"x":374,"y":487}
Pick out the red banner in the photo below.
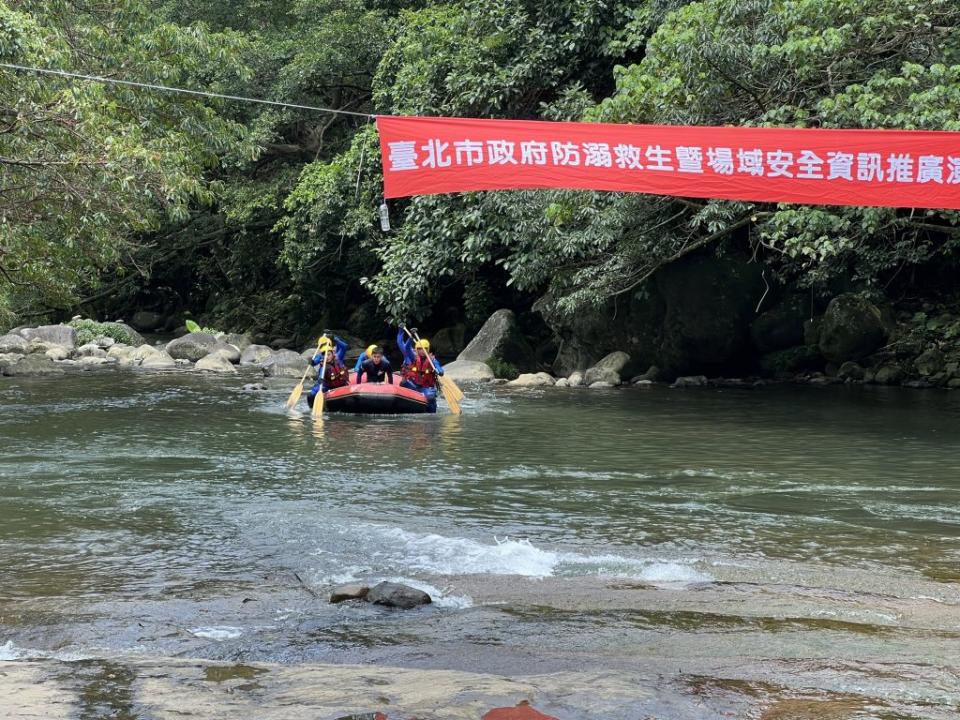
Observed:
{"x":888,"y":168}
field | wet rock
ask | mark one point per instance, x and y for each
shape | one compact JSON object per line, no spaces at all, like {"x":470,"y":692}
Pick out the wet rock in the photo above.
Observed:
{"x":105,"y":342}
{"x":467,"y":371}
{"x":143,"y":352}
{"x":918,"y":384}
{"x":600,"y":385}
{"x":215,"y":362}
{"x":54,"y":334}
{"x":688,"y":381}
{"x":192,"y":346}
{"x":282,"y":343}
{"x":852,"y":328}
{"x":349,"y":592}
{"x":228,"y":352}
{"x":539,"y":379}
{"x":652,"y":375}
{"x":930,"y":362}
{"x":397,"y":595}
{"x":241,"y":341}
{"x":888,"y":375}
{"x":123,"y":353}
{"x":58,"y":353}
{"x":607,"y":369}
{"x":254,"y":387}
{"x":284,"y":363}
{"x":133,"y":337}
{"x":34,"y":365}
{"x":146,"y":321}
{"x":11,"y":343}
{"x":7,"y":361}
{"x":562,"y":382}
{"x":953,"y":383}
{"x":792,"y":360}
{"x":255,"y":355}
{"x":89,"y":361}
{"x":91,"y":350}
{"x":499,"y":381}
{"x":575,"y":379}
{"x":851,"y":371}
{"x":643,"y":383}
{"x":500,"y":338}
{"x":449,"y":341}
{"x":157,"y":360}
{"x":780,"y":327}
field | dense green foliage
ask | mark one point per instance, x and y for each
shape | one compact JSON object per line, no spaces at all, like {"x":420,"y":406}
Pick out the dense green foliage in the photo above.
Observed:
{"x":90,"y":330}
{"x":265,"y":218}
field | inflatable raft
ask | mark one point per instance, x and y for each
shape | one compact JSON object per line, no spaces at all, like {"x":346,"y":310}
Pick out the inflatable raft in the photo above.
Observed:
{"x":375,"y":399}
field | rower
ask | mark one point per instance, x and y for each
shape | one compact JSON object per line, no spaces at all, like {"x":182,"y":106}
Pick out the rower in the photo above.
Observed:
{"x":336,"y":374}
{"x":376,"y":367}
{"x":420,"y":367}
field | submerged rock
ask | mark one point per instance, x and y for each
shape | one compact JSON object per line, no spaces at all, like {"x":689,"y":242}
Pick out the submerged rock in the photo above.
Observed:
{"x":254,"y":387}
{"x":397,"y":595}
{"x":354,"y":591}
{"x":687,"y":381}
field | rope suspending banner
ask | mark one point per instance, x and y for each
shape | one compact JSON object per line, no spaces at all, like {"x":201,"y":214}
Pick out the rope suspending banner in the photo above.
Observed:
{"x":166,"y":88}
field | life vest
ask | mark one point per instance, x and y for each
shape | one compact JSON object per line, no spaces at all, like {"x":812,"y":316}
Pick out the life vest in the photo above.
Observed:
{"x":421,"y":372}
{"x":336,"y":376}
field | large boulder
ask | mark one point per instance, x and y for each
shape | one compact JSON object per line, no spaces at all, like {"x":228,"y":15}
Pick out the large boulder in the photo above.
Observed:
{"x":192,"y":346}
{"x":608,"y":369}
{"x":121,"y":353}
{"x":781,"y":327}
{"x":227,"y":351}
{"x":62,"y":335}
{"x":143,"y":352}
{"x":851,"y":329}
{"x":215,"y":362}
{"x":468,"y":371}
{"x":449,"y":341}
{"x":500,"y":338}
{"x":91,"y":350}
{"x":133,"y":337}
{"x":239,"y":340}
{"x":930,"y":362}
{"x":284,"y":363}
{"x":7,"y":361}
{"x":58,"y":353}
{"x":32,"y":365}
{"x":397,"y":595}
{"x":13,"y":344}
{"x":539,"y":379}
{"x":146,"y":321}
{"x":255,"y":355}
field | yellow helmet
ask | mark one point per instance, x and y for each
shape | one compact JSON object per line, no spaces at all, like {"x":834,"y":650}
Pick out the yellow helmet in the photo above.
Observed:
{"x":422,"y":344}
{"x":326,"y":346}
{"x":370,"y":349}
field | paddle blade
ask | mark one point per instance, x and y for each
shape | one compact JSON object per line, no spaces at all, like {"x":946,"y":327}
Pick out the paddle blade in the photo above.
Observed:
{"x":295,"y":396}
{"x":318,"y":407}
{"x":451,"y":399}
{"x":457,"y":392}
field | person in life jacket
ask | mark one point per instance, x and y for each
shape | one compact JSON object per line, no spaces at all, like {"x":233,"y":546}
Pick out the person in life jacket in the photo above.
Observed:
{"x":364,"y":356}
{"x":420,"y":368}
{"x":376,"y":368}
{"x":336,"y":373}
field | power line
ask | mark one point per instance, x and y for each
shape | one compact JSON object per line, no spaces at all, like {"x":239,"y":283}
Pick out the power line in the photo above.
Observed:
{"x":166,"y":88}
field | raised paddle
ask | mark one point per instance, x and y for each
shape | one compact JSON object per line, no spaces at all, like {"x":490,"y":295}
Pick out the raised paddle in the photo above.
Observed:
{"x":318,"y":399}
{"x":451,"y":393}
{"x":298,"y":390}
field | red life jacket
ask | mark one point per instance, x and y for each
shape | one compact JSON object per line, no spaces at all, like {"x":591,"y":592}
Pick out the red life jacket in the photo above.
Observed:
{"x":336,"y":376}
{"x":421,"y":372}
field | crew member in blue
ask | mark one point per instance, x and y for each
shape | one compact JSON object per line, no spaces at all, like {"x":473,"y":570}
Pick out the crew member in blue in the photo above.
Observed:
{"x":364,"y":356}
{"x":336,"y":374}
{"x":420,"y":368}
{"x":376,"y":367}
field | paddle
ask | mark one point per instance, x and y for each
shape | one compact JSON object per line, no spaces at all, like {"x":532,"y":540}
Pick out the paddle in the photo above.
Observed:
{"x":298,"y":390}
{"x":318,"y":400}
{"x":451,"y":393}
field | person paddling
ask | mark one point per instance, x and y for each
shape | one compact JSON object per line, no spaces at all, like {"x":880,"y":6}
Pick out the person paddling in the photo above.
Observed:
{"x":336,"y":374}
{"x":364,"y":356}
{"x":419,"y":373}
{"x":376,"y":367}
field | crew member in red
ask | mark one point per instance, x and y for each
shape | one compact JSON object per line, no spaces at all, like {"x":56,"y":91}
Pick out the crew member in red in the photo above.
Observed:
{"x":420,"y":368}
{"x":336,"y":373}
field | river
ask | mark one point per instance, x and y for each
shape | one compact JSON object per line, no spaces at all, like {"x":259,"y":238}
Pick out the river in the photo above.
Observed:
{"x":630,"y":553}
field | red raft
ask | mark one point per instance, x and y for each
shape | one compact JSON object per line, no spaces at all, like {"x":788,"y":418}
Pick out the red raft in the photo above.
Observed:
{"x":375,"y":399}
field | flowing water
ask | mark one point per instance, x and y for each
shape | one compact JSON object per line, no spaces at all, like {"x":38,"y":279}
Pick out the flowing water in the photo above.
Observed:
{"x":730,"y":551}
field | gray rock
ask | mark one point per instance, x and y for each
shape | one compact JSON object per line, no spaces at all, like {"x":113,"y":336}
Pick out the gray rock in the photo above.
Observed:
{"x":282,"y":343}
{"x":91,"y":350}
{"x":643,"y":383}
{"x":63,"y":335}
{"x":144,"y":351}
{"x":600,"y":385}
{"x":241,"y":341}
{"x":575,"y":379}
{"x":228,"y":352}
{"x":930,"y":362}
{"x":8,"y":360}
{"x":449,"y":341}
{"x":192,"y":346}
{"x":95,"y":360}
{"x":254,"y":387}
{"x":500,"y":339}
{"x":888,"y":375}
{"x":688,"y":381}
{"x":146,"y":321}
{"x":33,"y":365}
{"x":215,"y":362}
{"x":852,"y":328}
{"x":652,"y":375}
{"x":397,"y":595}
{"x":58,"y":353}
{"x":157,"y":360}
{"x":954,"y":383}
{"x":136,"y":339}
{"x":539,"y":379}
{"x":105,"y":342}
{"x":608,"y":369}
{"x":562,"y":382}
{"x":349,"y":592}
{"x":780,"y":327}
{"x":851,"y":371}
{"x":284,"y":363}
{"x":792,"y":360}
{"x":11,"y":343}
{"x":468,"y":371}
{"x":255,"y":355}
